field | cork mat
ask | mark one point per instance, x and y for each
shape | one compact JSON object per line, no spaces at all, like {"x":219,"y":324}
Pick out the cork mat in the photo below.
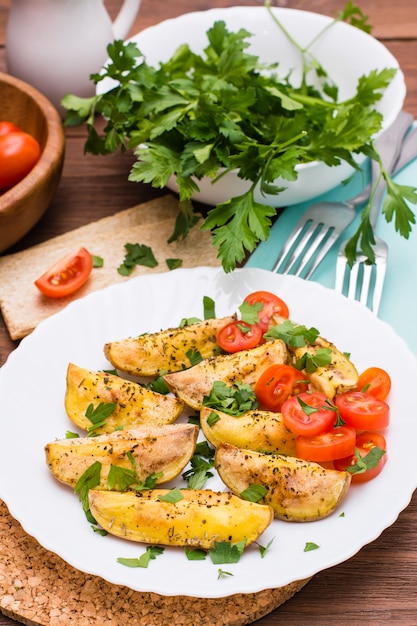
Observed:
{"x":38,"y":587}
{"x":150,"y":224}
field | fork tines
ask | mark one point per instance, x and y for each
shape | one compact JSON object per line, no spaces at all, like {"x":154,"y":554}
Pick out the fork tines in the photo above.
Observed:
{"x":305,"y":249}
{"x":363,"y":282}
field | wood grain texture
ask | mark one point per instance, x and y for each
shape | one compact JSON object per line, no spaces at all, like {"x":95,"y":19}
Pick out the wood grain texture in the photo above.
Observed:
{"x":379,"y":584}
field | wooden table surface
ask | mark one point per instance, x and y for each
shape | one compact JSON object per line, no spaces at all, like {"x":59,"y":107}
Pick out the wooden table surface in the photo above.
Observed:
{"x":379,"y":584}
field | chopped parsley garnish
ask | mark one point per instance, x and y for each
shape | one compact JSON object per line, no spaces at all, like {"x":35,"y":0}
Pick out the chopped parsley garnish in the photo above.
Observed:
{"x":201,"y":463}
{"x":294,"y":335}
{"x":310,"y":362}
{"x":254,"y":493}
{"x":136,"y":254}
{"x":173,"y":495}
{"x":310,"y":545}
{"x":366,"y":462}
{"x":172,"y":264}
{"x":264,"y":549}
{"x":232,"y":399}
{"x":195,"y":554}
{"x":88,"y":480}
{"x":98,"y":415}
{"x":149,"y":555}
{"x":209,"y":307}
{"x":226,"y":552}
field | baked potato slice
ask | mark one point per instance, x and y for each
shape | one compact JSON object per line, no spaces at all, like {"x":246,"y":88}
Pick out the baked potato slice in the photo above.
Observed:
{"x":165,"y":351}
{"x":166,"y":449}
{"x":198,"y":519}
{"x":246,"y":366}
{"x":263,"y":431}
{"x":135,"y":405}
{"x":297,"y":490}
{"x":338,"y":376}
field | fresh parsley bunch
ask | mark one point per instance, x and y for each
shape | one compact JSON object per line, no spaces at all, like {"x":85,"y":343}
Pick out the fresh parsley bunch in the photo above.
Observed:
{"x":203,"y":115}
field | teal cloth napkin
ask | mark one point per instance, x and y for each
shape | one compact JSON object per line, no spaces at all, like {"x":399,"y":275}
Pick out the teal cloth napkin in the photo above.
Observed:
{"x":399,"y":299}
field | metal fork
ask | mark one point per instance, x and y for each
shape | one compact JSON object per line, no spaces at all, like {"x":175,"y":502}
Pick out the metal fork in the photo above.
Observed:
{"x":365,"y":281}
{"x":321,"y":225}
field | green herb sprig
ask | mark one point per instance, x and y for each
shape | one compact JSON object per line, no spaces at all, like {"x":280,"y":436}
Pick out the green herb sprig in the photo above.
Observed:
{"x":197,"y":116}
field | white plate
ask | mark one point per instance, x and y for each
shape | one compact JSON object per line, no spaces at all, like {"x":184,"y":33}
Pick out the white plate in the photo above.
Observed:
{"x":32,"y":387}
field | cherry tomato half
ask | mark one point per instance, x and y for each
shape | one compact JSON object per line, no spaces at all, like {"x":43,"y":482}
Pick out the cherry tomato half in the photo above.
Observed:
{"x":272,"y":305}
{"x":334,"y":444}
{"x":19,"y":152}
{"x":8,"y":127}
{"x":67,"y":275}
{"x":238,"y":336}
{"x":363,"y":411}
{"x":276,"y":384}
{"x":364,"y":443}
{"x":308,"y":414}
{"x":375,"y":381}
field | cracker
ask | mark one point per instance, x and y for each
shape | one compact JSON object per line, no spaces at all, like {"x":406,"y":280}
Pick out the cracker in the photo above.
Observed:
{"x":151,"y":224}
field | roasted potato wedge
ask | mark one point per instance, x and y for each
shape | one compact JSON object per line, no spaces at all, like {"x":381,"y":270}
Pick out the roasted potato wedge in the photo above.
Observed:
{"x":246,"y":366}
{"x":298,"y":491}
{"x":263,"y":431}
{"x":166,"y":351}
{"x":198,"y":519}
{"x":166,"y":449}
{"x":339,"y":376}
{"x":135,"y":405}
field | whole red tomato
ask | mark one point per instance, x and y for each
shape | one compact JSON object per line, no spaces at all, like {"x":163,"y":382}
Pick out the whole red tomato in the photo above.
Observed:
{"x":8,"y":127}
{"x":19,"y":152}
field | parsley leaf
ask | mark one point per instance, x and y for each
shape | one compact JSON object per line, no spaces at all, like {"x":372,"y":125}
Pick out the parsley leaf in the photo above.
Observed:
{"x":254,"y":493}
{"x":226,"y":552}
{"x":201,"y":463}
{"x":311,"y":361}
{"x":98,"y":415}
{"x":136,"y":254}
{"x":294,"y":335}
{"x":198,"y":116}
{"x":366,"y":462}
{"x":150,"y":554}
{"x":234,"y":399}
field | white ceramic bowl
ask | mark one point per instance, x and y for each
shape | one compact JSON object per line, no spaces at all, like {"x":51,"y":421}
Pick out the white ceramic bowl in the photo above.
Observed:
{"x":346,"y":53}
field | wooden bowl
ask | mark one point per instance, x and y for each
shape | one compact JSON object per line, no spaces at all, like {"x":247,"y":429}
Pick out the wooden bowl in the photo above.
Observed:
{"x":25,"y":203}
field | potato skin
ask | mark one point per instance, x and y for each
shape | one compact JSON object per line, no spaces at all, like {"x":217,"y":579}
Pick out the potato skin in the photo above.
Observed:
{"x":263,"y":431}
{"x":135,"y":405}
{"x":165,"y":449}
{"x":165,"y":351}
{"x":199,"y":519}
{"x":338,"y":376}
{"x":246,"y":366}
{"x":298,"y":491}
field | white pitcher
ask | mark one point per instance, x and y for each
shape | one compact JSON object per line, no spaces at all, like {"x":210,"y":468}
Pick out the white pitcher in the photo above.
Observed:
{"x":55,"y":45}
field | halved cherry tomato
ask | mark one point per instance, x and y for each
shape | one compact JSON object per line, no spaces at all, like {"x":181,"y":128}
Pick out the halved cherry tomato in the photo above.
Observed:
{"x":276,"y":384}
{"x":375,"y":381}
{"x":19,"y":153}
{"x":362,"y":411}
{"x":334,"y":444}
{"x":238,"y":336}
{"x":308,"y":414}
{"x":364,"y":443}
{"x":272,"y":305}
{"x":8,"y":127}
{"x":67,"y":275}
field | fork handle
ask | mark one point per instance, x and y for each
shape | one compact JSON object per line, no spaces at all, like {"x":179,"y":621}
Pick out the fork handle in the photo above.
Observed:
{"x":389,"y":149}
